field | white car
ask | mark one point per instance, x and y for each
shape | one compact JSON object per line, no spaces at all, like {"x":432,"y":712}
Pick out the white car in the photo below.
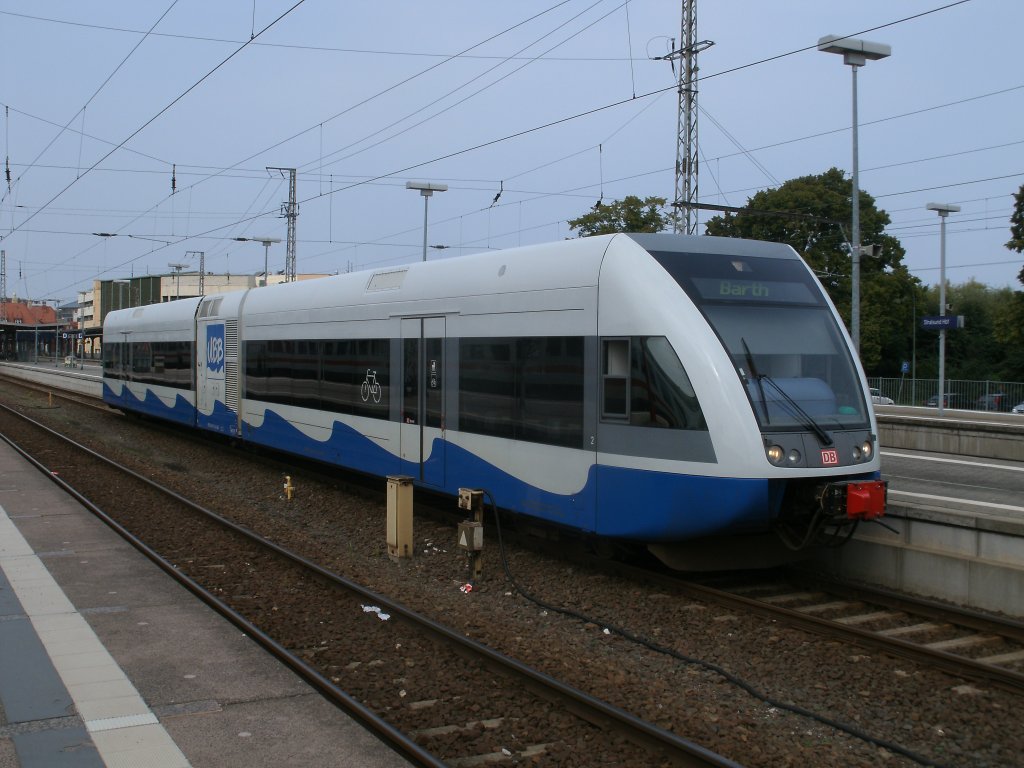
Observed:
{"x":879,"y":399}
{"x":1018,"y":408}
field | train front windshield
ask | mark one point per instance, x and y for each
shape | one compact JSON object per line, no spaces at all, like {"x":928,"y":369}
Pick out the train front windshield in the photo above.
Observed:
{"x":773,"y":319}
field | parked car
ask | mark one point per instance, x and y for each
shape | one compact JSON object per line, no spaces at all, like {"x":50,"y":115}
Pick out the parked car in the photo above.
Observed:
{"x":951,"y":400}
{"x":1018,"y":408}
{"x":994,"y":402}
{"x":879,"y":399}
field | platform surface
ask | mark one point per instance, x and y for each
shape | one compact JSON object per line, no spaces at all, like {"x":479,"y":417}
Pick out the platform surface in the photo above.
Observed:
{"x":107,"y":661}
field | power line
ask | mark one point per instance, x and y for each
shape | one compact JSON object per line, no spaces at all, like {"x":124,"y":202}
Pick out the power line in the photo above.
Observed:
{"x":559,"y":121}
{"x":142,"y":127}
{"x":323,"y":48}
{"x":879,"y":120}
{"x":475,"y":93}
{"x":88,"y":101}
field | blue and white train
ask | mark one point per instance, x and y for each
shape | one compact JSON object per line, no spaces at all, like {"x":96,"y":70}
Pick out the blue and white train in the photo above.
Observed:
{"x":670,"y":390}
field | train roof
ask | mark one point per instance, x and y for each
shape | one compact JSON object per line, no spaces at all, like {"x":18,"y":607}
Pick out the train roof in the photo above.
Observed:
{"x":731,"y":246}
{"x":169,"y":315}
{"x":565,"y":264}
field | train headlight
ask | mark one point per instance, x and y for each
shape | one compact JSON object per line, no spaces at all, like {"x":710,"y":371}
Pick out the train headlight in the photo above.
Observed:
{"x":793,"y":457}
{"x":775,"y":454}
{"x":867,"y":450}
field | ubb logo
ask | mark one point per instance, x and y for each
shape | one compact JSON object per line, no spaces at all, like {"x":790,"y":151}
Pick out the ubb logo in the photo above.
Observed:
{"x":215,"y":348}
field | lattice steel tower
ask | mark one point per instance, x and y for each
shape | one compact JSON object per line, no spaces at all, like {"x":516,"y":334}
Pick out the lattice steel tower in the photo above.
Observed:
{"x":685,"y":220}
{"x":290,"y":211}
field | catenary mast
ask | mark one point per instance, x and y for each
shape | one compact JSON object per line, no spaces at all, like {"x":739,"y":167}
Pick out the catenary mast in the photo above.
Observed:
{"x":685,"y":220}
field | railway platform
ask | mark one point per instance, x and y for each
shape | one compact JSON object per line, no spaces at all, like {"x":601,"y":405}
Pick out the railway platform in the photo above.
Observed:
{"x":106,"y":661}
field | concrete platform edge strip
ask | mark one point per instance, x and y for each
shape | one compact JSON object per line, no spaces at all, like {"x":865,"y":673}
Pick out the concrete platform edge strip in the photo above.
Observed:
{"x":43,"y":602}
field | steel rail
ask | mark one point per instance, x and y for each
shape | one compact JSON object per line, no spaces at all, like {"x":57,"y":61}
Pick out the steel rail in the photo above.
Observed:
{"x":960,"y":666}
{"x":678,"y":750}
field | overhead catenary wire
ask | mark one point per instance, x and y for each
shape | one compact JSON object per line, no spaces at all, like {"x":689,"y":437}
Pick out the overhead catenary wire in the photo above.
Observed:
{"x":514,"y":135}
{"x":452,"y":91}
{"x":148,"y":122}
{"x":88,"y":101}
{"x":303,"y":47}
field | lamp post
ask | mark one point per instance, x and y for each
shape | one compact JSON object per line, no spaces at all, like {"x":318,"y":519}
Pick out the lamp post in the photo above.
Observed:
{"x":943,"y":209}
{"x":856,"y":53}
{"x":426,"y":189}
{"x":120,"y":293}
{"x":177,"y":267}
{"x":266,"y":251}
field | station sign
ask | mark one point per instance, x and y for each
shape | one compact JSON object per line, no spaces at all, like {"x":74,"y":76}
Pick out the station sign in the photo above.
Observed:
{"x":940,"y":322}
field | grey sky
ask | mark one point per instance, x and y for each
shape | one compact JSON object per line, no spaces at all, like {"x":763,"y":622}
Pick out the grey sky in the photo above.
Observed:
{"x":548,"y":103}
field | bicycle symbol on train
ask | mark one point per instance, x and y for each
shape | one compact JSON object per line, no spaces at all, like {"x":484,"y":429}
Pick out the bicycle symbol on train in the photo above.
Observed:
{"x":370,"y":386}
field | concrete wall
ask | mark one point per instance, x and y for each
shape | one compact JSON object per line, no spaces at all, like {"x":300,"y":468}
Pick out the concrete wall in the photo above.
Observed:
{"x":971,"y":438}
{"x":977,"y":561}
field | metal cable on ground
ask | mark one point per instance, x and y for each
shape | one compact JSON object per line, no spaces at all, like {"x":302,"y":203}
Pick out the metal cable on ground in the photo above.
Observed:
{"x":707,"y":665}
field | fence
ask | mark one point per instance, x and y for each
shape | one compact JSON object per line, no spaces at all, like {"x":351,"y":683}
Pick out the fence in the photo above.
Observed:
{"x":972,"y":395}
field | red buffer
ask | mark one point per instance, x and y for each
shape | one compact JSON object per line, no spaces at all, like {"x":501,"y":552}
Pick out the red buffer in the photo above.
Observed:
{"x":866,"y":500}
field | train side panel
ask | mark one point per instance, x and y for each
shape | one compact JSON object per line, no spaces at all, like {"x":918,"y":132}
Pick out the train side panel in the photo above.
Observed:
{"x":580,"y":382}
{"x":218,"y":363}
{"x":148,"y":355}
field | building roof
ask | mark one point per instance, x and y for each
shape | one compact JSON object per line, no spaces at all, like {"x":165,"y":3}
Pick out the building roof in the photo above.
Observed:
{"x":28,"y":314}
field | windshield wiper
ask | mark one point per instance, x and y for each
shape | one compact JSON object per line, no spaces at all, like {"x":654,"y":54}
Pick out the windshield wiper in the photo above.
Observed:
{"x":760,"y":387}
{"x":802,"y":416}
{"x":824,"y":437}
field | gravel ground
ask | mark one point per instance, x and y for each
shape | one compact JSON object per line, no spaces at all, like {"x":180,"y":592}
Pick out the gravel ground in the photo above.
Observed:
{"x":944,"y":720}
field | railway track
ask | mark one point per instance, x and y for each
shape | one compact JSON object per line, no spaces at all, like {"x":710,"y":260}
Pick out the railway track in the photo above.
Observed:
{"x":434,"y":695}
{"x":890,"y":739}
{"x":962,"y":642}
{"x":55,"y":394}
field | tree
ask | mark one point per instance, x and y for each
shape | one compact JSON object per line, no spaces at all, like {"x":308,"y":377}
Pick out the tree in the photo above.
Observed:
{"x":811,"y":213}
{"x":631,"y":214}
{"x":1009,"y":319}
{"x":1017,"y":226}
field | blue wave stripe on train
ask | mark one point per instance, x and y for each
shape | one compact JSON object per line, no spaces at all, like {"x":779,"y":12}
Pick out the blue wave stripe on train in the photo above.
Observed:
{"x":701,"y":504}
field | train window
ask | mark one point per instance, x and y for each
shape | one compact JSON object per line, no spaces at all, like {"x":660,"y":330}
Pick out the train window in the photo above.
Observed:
{"x":142,"y":360}
{"x":305,"y":374}
{"x":112,"y":355}
{"x":356,"y":377}
{"x":342,"y":376}
{"x":487,"y":387}
{"x":615,"y":379}
{"x":268,"y":372}
{"x":165,"y":363}
{"x":645,"y":384}
{"x":660,"y":391}
{"x":551,"y":391}
{"x":525,"y":389}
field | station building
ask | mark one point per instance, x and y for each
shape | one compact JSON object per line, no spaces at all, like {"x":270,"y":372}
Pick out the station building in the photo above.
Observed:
{"x":30,"y":331}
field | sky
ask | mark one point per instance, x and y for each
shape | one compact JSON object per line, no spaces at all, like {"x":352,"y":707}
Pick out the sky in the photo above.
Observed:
{"x":156,"y":121}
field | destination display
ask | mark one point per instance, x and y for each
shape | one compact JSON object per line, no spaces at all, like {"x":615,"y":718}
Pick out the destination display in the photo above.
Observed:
{"x":731,"y":289}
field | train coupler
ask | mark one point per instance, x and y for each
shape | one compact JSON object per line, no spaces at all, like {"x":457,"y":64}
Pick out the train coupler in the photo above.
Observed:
{"x":855,"y":499}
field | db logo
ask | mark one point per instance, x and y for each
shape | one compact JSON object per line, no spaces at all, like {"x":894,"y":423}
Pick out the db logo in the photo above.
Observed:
{"x":830,"y":457}
{"x":215,"y":348}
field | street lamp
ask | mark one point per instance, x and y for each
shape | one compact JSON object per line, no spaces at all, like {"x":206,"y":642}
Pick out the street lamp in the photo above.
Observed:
{"x":266,"y":251}
{"x":426,"y":189}
{"x":856,"y":53}
{"x":177,"y":267}
{"x":943,"y":209}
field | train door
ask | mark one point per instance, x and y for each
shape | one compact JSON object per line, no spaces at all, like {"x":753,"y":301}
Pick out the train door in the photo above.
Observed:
{"x":217,"y":375}
{"x":422,"y":406}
